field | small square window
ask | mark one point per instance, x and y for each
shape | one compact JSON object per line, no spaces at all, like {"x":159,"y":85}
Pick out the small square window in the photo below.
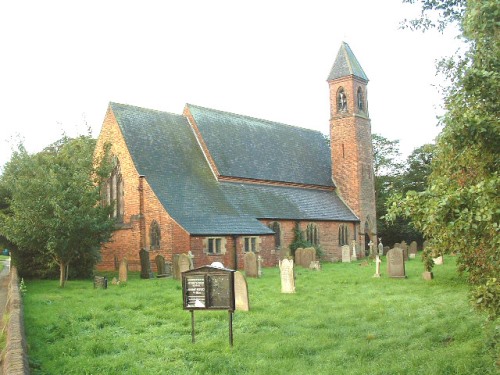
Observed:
{"x":250,"y":244}
{"x":214,"y":245}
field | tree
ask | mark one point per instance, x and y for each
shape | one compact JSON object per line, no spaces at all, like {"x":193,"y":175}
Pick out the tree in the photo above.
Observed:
{"x":392,"y":175}
{"x":460,"y":209}
{"x":54,"y":213}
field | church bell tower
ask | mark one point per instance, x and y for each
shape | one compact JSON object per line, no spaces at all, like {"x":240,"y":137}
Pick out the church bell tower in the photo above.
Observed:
{"x":351,"y":142}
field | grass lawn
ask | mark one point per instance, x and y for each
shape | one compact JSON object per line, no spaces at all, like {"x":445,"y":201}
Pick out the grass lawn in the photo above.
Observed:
{"x":341,"y":320}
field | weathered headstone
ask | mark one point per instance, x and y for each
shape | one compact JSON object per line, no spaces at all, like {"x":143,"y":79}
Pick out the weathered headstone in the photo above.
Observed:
{"x":298,"y":255}
{"x":259,"y":266}
{"x":438,"y":261}
{"x":146,"y":272}
{"x":241,"y":292}
{"x":251,"y":265}
{"x":175,"y":267}
{"x":184,"y":263}
{"x":100,"y":282}
{"x":380,"y":247}
{"x":346,"y":254}
{"x":287,"y":277}
{"x":370,"y":247}
{"x":413,"y":247}
{"x":168,"y":269}
{"x":160,"y":266}
{"x":315,"y":265}
{"x":404,"y":247}
{"x":396,"y":263}
{"x":377,"y":266}
{"x":191,"y":260}
{"x":308,"y":256}
{"x":354,"y":255}
{"x":123,"y":271}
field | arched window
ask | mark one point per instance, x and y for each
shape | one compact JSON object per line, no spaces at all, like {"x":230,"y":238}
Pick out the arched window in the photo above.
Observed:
{"x":341,"y":100}
{"x":343,"y":235}
{"x":361,"y":99}
{"x":275,"y":227}
{"x":113,"y":191}
{"x":154,"y":235}
{"x":312,"y":234}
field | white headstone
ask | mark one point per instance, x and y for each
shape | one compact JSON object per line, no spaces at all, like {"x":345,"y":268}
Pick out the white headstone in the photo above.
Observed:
{"x":287,"y":277}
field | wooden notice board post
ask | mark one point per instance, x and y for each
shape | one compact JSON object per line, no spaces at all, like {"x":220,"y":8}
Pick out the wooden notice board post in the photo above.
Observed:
{"x":209,"y":288}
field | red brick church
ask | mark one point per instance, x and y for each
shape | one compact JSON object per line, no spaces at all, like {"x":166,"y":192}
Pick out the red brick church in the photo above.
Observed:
{"x":221,"y":184}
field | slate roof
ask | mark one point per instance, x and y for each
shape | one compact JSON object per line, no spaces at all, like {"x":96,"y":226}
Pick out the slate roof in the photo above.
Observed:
{"x":243,"y":146}
{"x":346,"y":64}
{"x":164,"y":149}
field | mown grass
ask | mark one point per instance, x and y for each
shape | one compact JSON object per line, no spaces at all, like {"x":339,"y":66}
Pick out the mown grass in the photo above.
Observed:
{"x":341,"y":320}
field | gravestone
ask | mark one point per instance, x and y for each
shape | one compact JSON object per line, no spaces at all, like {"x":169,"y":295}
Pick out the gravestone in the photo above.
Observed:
{"x":123,"y":271}
{"x":380,"y":247}
{"x":370,"y":247}
{"x":346,"y":254}
{"x":146,"y":272}
{"x":259,"y":266}
{"x":191,"y":260}
{"x":315,"y":265}
{"x":438,"y":261}
{"x":114,"y":281}
{"x":175,"y":267}
{"x":287,"y":277}
{"x":404,"y":247}
{"x":354,"y":255}
{"x":377,"y":266}
{"x":168,"y":269}
{"x":413,"y":247}
{"x":160,"y":266}
{"x":251,"y":269}
{"x":397,"y":246}
{"x":298,"y":255}
{"x":184,"y":263}
{"x":396,"y":263}
{"x":308,"y":256}
{"x":241,"y":292}
{"x":413,"y":250}
{"x":100,"y":282}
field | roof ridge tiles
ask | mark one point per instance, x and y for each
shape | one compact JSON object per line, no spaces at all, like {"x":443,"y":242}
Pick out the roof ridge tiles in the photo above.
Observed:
{"x":254,"y":118}
{"x":146,"y":109}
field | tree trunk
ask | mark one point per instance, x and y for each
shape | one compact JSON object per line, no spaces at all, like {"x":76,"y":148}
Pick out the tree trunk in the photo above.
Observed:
{"x":62,"y":274}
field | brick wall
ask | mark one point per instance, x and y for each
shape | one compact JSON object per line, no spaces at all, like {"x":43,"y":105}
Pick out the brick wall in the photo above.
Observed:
{"x":128,"y":238}
{"x":352,"y":154}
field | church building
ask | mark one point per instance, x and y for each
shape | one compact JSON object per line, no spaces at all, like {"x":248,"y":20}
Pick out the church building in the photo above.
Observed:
{"x":221,"y":184}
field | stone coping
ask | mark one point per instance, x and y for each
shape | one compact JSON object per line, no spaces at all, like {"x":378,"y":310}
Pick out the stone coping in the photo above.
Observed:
{"x":15,"y":358}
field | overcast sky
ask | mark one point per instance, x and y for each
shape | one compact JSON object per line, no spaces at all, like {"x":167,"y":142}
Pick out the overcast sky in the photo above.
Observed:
{"x":64,"y":61}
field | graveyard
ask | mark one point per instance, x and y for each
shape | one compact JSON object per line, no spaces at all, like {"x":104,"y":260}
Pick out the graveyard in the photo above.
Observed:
{"x":337,"y":319}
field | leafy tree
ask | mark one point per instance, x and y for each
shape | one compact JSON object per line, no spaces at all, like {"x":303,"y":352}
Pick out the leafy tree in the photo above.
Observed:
{"x":54,"y":215}
{"x":392,"y":175}
{"x":460,"y":209}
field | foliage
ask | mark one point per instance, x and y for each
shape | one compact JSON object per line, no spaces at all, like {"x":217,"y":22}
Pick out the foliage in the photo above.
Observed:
{"x":436,"y":14}
{"x":298,"y":239}
{"x":121,"y":330}
{"x":487,"y":297}
{"x":393,"y":175}
{"x":460,"y":209}
{"x":427,"y":259}
{"x":300,"y":242}
{"x":53,"y":214}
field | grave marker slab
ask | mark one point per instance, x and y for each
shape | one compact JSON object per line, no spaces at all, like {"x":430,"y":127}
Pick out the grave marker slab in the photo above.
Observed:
{"x":396,"y":263}
{"x":287,"y":276}
{"x":241,"y":292}
{"x":346,"y":254}
{"x":251,"y":267}
{"x":123,"y":271}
